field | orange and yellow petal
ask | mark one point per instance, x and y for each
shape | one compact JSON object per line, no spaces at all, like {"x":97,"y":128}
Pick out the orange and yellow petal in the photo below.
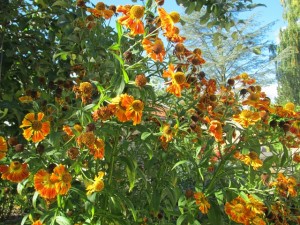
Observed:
{"x":37,"y":222}
{"x":44,"y":185}
{"x":15,"y":172}
{"x":62,"y":179}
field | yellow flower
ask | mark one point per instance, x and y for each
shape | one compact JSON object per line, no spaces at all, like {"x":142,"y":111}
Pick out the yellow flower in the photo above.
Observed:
{"x":36,"y":129}
{"x":98,"y":184}
{"x":251,"y":159}
{"x":246,"y":118}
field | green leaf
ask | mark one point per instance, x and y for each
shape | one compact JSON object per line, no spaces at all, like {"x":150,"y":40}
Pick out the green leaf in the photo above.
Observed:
{"x":149,"y":4}
{"x":235,"y":35}
{"x":125,"y":76}
{"x":34,"y":198}
{"x":180,"y":163}
{"x":61,"y":220}
{"x":24,"y":219}
{"x":61,"y":4}
{"x":120,"y":31}
{"x":114,"y":47}
{"x":181,"y":219}
{"x":130,"y":170}
{"x":190,"y":8}
{"x":284,"y":156}
{"x":88,"y":107}
{"x":204,"y":19}
{"x":216,"y":39}
{"x":145,"y":135}
{"x":214,"y":214}
{"x":199,"y":5}
{"x":257,"y":50}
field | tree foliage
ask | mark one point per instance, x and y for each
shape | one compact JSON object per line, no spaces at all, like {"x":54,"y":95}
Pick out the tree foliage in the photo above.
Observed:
{"x":289,"y":66}
{"x":218,"y":12}
{"x":231,"y":52}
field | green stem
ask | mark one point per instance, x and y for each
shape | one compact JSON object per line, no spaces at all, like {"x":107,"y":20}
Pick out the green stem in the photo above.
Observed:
{"x":112,"y":160}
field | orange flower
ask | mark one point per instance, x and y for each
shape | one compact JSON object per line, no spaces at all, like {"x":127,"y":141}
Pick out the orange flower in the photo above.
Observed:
{"x":285,"y":185}
{"x":101,"y":12}
{"x":174,"y":36}
{"x":37,"y":130}
{"x":296,"y":157}
{"x":103,"y":113}
{"x":119,"y":108}
{"x":246,"y":118}
{"x":134,"y":110}
{"x":237,"y":210}
{"x":202,"y":202}
{"x":178,"y":81}
{"x":98,"y":184}
{"x":246,"y":212}
{"x":86,"y":138}
{"x":196,"y":57}
{"x":155,"y":50}
{"x":62,"y":179}
{"x":215,"y":128}
{"x":43,"y":184}
{"x":98,"y":149}
{"x":25,"y":99}
{"x":3,"y":147}
{"x":84,"y":91}
{"x":37,"y":222}
{"x":168,"y":21}
{"x":132,"y":19}
{"x":68,"y":130}
{"x":15,"y":172}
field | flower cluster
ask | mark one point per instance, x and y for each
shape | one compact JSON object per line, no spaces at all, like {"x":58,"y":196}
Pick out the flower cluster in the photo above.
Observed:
{"x":246,"y":211}
{"x":286,"y":186}
{"x":49,"y":185}
{"x":126,"y":108}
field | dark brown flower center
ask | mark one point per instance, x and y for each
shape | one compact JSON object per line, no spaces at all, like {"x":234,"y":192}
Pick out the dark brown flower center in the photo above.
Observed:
{"x":37,"y":125}
{"x":137,"y":105}
{"x":179,"y":77}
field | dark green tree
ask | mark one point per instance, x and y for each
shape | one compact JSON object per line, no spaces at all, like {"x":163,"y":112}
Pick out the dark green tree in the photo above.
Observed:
{"x":289,"y":66}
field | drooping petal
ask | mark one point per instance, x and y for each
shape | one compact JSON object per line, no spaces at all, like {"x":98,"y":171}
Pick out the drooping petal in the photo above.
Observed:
{"x":45,"y":128}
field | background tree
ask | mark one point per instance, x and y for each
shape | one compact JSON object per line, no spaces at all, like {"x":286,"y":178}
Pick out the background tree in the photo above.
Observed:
{"x":218,"y":12}
{"x":229,"y":52}
{"x":289,"y":66}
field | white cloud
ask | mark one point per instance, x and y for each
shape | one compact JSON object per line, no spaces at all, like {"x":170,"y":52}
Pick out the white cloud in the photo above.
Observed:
{"x":271,"y":91}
